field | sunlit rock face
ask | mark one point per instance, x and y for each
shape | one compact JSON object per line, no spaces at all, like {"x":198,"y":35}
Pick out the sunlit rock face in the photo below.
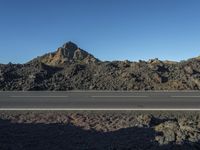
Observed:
{"x":69,"y":52}
{"x":71,"y":68}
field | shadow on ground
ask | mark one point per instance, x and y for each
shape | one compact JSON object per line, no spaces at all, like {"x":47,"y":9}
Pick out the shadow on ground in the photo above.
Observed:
{"x":14,"y":136}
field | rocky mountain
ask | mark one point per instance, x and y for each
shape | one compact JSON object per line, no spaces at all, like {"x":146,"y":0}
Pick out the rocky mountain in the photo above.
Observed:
{"x":68,"y":53}
{"x":71,"y":68}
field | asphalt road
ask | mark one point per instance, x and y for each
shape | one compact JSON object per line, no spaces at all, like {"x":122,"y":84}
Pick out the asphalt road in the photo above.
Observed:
{"x":100,"y":100}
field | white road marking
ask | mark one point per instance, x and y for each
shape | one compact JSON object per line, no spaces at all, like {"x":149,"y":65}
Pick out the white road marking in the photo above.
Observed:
{"x":98,"y":109}
{"x":118,"y":96}
{"x":179,"y":96}
{"x":36,"y":96}
{"x":175,"y":96}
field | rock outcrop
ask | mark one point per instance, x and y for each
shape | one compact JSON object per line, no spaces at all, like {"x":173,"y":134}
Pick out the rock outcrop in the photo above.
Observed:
{"x":68,"y":53}
{"x":71,"y":68}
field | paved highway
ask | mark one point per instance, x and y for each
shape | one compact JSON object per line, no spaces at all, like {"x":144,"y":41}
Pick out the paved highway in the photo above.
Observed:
{"x":83,"y":100}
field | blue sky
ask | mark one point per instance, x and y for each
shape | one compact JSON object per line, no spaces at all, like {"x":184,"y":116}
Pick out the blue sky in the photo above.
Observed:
{"x":109,"y":29}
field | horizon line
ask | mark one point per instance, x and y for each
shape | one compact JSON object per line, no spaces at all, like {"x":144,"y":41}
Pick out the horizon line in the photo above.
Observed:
{"x":114,"y":60}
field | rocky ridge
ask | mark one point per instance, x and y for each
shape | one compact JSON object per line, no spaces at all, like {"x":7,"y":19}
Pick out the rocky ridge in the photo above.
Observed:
{"x":71,"y":68}
{"x":68,"y":53}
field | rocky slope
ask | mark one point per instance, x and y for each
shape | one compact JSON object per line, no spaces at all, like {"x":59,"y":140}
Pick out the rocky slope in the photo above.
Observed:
{"x":93,"y":130}
{"x":71,"y":68}
{"x":68,"y":53}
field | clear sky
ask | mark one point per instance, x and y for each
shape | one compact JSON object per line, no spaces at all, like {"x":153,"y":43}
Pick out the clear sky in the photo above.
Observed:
{"x":109,"y":29}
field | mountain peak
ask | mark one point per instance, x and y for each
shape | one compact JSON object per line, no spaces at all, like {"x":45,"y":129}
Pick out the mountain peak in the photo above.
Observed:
{"x":70,"y":45}
{"x":69,"y":52}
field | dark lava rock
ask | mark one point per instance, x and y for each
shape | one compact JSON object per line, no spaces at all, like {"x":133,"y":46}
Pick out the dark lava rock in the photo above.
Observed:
{"x":70,"y":68}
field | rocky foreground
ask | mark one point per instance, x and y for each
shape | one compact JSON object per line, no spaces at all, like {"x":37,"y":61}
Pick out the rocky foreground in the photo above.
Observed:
{"x":99,"y":130}
{"x":71,"y":68}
